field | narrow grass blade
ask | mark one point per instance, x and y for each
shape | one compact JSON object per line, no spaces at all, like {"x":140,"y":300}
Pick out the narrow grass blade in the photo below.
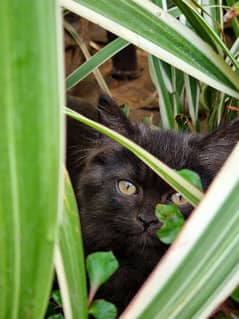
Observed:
{"x":31,"y":143}
{"x":192,"y":90}
{"x":202,"y":267}
{"x":95,"y":61}
{"x":213,"y":14}
{"x":152,"y":29}
{"x":162,"y":83}
{"x":190,"y":192}
{"x":86,"y":53}
{"x":69,"y":259}
{"x":177,"y":86}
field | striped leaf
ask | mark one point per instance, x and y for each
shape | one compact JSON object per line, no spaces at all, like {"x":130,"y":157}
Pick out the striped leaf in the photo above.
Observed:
{"x":69,"y":259}
{"x":188,"y":190}
{"x":202,"y":267}
{"x":95,"y":61}
{"x":163,"y":86}
{"x":152,"y":29}
{"x":31,"y":154}
{"x":203,"y":28}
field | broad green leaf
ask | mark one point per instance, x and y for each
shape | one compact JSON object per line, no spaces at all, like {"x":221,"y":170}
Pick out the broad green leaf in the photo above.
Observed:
{"x":31,"y":140}
{"x":190,"y":192}
{"x":152,"y":29}
{"x":100,"y":266}
{"x":172,"y":220}
{"x":95,"y":61}
{"x":69,"y":259}
{"x":202,"y":266}
{"x":102,"y":309}
{"x":191,"y":177}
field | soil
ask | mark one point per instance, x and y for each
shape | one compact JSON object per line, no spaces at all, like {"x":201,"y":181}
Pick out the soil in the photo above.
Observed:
{"x":138,"y":94}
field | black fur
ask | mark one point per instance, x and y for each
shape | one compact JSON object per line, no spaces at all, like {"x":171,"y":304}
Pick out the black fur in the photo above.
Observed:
{"x":110,"y":219}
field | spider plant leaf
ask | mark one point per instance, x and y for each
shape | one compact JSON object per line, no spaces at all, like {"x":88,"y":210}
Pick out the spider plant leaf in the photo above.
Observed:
{"x":69,"y":259}
{"x":154,"y":30}
{"x":201,"y":268}
{"x":31,"y":142}
{"x":178,"y":182}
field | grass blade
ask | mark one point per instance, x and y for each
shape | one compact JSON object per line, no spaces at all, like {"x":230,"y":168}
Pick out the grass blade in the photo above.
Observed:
{"x":160,"y":81}
{"x":192,"y":91}
{"x":86,"y":53}
{"x":95,"y":61}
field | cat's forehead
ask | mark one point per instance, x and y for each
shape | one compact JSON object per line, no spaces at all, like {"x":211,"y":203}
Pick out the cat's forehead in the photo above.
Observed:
{"x":170,"y":147}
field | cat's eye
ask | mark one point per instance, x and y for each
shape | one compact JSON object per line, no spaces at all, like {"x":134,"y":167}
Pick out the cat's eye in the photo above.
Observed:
{"x":178,"y":199}
{"x":126,"y":187}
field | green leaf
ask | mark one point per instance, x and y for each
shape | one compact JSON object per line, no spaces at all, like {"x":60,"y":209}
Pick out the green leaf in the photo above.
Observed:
{"x":102,"y":309}
{"x":58,"y":316}
{"x":31,"y":145}
{"x":84,"y":49}
{"x":152,"y":29}
{"x":203,"y":28}
{"x":201,"y":268}
{"x":234,"y":21}
{"x":172,"y":220}
{"x":189,"y":191}
{"x":69,"y":259}
{"x":56,"y":296}
{"x":192,"y":91}
{"x":100,"y":266}
{"x":160,"y":81}
{"x":191,"y":177}
{"x":235,"y":295}
{"x":95,"y":61}
{"x":126,"y":110}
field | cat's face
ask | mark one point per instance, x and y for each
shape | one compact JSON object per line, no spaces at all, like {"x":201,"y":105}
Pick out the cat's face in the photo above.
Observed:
{"x":117,"y":193}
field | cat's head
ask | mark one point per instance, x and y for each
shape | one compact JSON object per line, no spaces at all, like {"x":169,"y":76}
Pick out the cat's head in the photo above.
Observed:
{"x":117,"y":193}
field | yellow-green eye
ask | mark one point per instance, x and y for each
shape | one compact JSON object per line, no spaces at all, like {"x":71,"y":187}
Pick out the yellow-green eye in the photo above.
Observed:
{"x":178,"y":199}
{"x":126,"y":187}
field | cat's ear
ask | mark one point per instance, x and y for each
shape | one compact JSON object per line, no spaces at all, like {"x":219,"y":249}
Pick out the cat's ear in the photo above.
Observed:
{"x":80,"y":138}
{"x":78,"y":133}
{"x":112,"y":116}
{"x":214,"y":148}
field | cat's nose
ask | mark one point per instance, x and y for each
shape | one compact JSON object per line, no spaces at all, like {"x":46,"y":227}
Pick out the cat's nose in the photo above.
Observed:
{"x":147,"y":220}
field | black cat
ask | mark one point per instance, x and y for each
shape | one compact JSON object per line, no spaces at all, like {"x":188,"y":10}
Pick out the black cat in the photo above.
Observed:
{"x":117,"y":193}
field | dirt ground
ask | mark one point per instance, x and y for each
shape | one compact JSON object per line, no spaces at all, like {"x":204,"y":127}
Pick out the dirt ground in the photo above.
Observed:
{"x":138,"y":94}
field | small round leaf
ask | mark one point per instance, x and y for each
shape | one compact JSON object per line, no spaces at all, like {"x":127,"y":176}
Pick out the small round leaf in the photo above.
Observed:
{"x":102,"y":309}
{"x":172,"y":220}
